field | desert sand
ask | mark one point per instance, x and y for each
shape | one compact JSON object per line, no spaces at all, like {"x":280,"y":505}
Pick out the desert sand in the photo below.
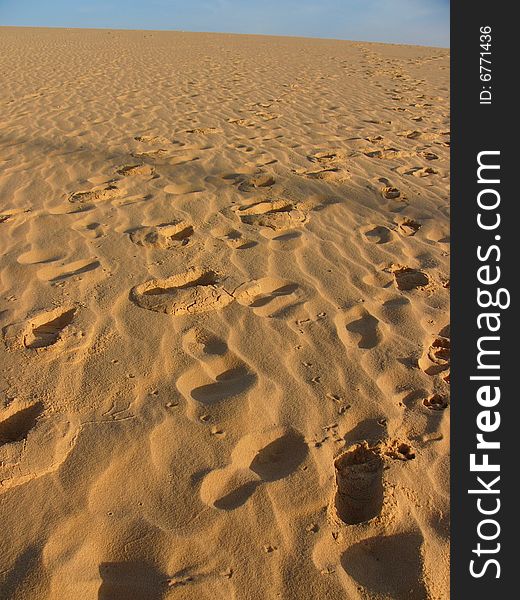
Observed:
{"x":225,"y":317}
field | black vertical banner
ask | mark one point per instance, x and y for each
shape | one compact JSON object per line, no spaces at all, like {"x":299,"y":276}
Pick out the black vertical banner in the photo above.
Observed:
{"x":484,"y":326}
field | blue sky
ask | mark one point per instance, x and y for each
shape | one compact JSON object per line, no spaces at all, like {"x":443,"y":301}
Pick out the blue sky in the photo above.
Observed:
{"x":398,"y":21}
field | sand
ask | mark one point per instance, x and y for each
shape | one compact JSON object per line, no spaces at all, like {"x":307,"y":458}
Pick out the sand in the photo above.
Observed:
{"x":225,"y":317}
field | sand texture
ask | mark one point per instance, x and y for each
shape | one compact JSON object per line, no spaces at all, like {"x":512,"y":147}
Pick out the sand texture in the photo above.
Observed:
{"x":224,"y":317}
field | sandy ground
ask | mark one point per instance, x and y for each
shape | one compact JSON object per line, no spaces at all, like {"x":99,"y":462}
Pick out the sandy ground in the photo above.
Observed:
{"x":224,"y":309}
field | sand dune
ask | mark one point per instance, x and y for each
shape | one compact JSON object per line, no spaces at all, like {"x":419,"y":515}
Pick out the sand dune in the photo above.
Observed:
{"x":224,"y":310}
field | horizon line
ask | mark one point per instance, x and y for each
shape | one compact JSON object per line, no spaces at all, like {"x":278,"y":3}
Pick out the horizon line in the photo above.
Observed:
{"x":102,"y":28}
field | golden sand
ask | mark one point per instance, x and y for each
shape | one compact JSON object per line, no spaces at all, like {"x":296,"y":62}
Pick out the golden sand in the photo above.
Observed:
{"x":224,"y":309}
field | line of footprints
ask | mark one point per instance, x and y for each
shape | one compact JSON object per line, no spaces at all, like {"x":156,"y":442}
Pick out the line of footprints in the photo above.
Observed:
{"x":220,"y":375}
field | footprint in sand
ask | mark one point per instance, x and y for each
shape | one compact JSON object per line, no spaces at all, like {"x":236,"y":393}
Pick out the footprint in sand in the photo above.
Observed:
{"x":49,"y":328}
{"x":388,"y":566}
{"x":228,"y":384}
{"x":197,"y":290}
{"x":407,"y":279}
{"x":359,"y":493}
{"x":200,"y":290}
{"x":62,"y":327}
{"x":437,"y":357}
{"x":135,"y":579}
{"x":323,"y":157}
{"x":424,"y":172}
{"x":256,"y":460}
{"x":233,"y":238}
{"x":152,"y":139}
{"x":436,"y":402}
{"x":13,"y":214}
{"x":182,"y":159}
{"x":108,"y":192}
{"x":136,"y":170}
{"x":361,"y":329}
{"x":38,"y":257}
{"x":397,"y":450}
{"x":258,"y":180}
{"x":32,"y":445}
{"x":411,"y":135}
{"x":15,"y":425}
{"x":390,"y":193}
{"x":330,"y":172}
{"x":273,"y":214}
{"x":77,"y":268}
{"x":218,"y":375}
{"x":89,"y":228}
{"x":375,"y":139}
{"x":242,"y":122}
{"x":416,"y":171}
{"x":428,"y":155}
{"x":43,"y":330}
{"x":408,"y":227}
{"x":231,"y":178}
{"x":388,"y":153}
{"x":205,"y":130}
{"x":179,"y":189}
{"x":377,"y":234}
{"x":265,"y":116}
{"x":269,"y":296}
{"x":159,"y":153}
{"x":164,"y":236}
